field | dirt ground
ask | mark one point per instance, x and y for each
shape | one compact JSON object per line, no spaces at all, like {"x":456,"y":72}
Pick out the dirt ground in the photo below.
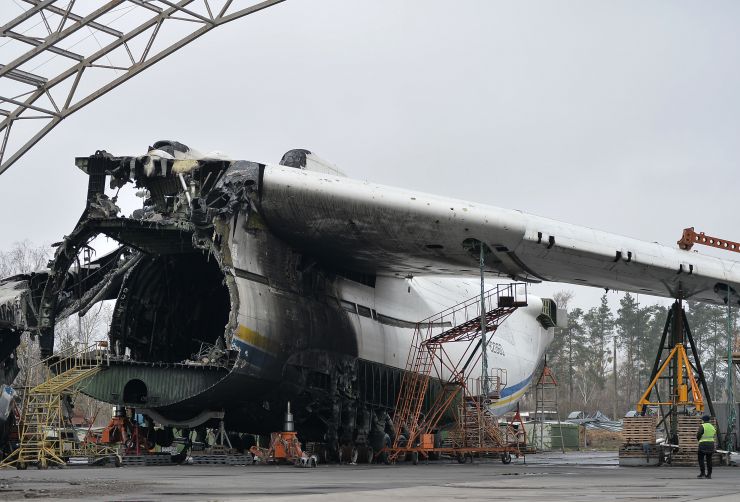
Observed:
{"x":602,"y":440}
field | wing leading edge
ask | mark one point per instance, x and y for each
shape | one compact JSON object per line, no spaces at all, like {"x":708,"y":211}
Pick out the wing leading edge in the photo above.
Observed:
{"x":385,"y":230}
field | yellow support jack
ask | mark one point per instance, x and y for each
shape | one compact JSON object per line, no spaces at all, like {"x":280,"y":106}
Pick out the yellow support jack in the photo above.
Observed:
{"x":686,"y":380}
{"x":680,"y":379}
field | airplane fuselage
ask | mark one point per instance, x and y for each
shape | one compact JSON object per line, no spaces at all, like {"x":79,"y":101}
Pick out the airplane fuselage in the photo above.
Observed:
{"x":333,"y":342}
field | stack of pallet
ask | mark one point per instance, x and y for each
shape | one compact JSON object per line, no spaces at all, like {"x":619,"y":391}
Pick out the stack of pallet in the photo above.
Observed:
{"x":638,"y":446}
{"x":639,"y":430}
{"x":688,"y":445}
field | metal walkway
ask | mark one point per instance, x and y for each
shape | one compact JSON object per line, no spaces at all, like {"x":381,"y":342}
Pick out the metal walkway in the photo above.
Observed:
{"x":429,"y":358}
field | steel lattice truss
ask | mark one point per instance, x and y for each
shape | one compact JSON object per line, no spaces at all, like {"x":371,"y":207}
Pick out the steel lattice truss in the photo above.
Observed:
{"x":60,"y":55}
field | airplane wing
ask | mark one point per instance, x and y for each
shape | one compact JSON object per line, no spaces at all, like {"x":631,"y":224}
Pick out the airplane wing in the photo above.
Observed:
{"x":377,"y":229}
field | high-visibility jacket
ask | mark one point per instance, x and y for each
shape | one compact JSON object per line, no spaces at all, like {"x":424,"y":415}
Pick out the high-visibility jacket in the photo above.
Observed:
{"x":709,"y":433}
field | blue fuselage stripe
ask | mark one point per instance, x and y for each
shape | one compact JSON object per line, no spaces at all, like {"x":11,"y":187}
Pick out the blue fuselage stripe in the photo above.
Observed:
{"x":510,"y":389}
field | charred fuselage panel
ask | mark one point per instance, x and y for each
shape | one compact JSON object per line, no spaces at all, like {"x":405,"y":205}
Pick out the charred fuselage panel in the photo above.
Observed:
{"x":212,"y":310}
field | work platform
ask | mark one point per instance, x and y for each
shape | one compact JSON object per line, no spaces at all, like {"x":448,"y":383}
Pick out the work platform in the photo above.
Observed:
{"x":44,"y":425}
{"x":460,"y":399}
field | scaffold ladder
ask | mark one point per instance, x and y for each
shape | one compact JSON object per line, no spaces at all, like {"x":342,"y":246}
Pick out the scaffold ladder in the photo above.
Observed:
{"x":43,"y":421}
{"x":430,"y":358}
{"x":546,"y":399}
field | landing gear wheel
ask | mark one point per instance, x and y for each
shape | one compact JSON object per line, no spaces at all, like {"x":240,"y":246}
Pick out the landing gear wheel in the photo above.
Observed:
{"x":118,"y":462}
{"x":370,"y":454}
{"x":386,"y":459}
{"x":21,"y":466}
{"x":42,"y":464}
{"x":506,"y":458}
{"x":415,"y":457}
{"x":461,"y":459}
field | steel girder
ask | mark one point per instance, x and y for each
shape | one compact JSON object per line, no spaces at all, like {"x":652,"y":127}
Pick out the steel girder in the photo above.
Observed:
{"x":64,"y":54}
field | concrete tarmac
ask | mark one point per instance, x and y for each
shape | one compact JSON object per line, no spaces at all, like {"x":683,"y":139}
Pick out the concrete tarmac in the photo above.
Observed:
{"x":547,"y":478}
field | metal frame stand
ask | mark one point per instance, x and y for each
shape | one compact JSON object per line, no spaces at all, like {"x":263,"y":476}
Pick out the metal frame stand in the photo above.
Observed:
{"x":672,"y":365}
{"x":546,"y":383}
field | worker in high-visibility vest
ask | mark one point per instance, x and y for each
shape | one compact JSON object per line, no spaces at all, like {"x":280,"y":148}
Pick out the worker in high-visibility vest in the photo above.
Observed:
{"x":706,"y":435}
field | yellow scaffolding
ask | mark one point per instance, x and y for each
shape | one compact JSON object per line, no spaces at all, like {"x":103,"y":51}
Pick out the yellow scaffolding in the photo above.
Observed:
{"x":44,"y":429}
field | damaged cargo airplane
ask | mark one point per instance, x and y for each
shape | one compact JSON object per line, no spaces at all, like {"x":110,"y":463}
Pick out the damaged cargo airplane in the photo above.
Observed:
{"x":239,"y":286}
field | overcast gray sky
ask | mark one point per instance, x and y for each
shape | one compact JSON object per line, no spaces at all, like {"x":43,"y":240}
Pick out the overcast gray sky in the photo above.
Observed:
{"x":623,"y":116}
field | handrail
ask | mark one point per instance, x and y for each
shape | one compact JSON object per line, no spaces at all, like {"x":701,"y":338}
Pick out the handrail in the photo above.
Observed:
{"x":470,"y":308}
{"x":82,"y":355}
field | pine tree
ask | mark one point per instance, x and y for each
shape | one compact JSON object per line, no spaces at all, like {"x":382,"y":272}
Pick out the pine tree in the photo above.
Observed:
{"x":631,"y":323}
{"x":566,"y":355}
{"x":599,"y":323}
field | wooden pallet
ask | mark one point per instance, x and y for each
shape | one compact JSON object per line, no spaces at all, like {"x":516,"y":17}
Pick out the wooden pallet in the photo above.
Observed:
{"x":639,"y":430}
{"x":687,"y":427}
{"x":688,"y":445}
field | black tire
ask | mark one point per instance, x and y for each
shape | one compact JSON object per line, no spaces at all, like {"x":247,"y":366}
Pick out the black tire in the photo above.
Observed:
{"x":415,"y":457}
{"x":370,"y":455}
{"x":21,"y":466}
{"x":461,"y":459}
{"x":385,"y":458}
{"x":506,"y":458}
{"x":118,"y":462}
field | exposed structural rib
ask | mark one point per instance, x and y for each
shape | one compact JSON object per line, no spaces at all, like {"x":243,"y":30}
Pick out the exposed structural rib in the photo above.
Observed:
{"x":64,"y":55}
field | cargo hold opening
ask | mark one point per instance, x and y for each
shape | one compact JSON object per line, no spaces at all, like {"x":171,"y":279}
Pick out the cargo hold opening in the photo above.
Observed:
{"x":170,"y":306}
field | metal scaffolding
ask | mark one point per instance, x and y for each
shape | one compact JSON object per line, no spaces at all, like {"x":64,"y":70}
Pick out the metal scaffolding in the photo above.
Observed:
{"x":459,"y":398}
{"x":46,"y":435}
{"x":60,"y":55}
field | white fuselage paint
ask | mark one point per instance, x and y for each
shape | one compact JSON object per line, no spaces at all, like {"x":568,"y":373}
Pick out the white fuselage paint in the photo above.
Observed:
{"x":517,"y":346}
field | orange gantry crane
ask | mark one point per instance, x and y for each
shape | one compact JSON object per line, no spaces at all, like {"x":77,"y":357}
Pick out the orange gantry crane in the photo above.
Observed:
{"x":436,"y":384}
{"x":691,"y":237}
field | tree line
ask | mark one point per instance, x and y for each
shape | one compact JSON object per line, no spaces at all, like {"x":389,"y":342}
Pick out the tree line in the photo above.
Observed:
{"x":603,"y":359}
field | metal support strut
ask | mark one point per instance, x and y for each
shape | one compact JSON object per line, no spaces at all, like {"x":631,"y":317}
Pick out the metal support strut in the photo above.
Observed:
{"x":679,"y":371}
{"x":483,"y":340}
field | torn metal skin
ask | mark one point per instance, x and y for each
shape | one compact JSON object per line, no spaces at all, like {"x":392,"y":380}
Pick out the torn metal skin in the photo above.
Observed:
{"x":198,"y":281}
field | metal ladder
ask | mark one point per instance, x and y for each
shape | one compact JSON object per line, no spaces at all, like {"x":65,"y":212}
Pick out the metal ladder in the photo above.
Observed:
{"x":546,"y":394}
{"x":461,"y":323}
{"x":43,"y":409}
